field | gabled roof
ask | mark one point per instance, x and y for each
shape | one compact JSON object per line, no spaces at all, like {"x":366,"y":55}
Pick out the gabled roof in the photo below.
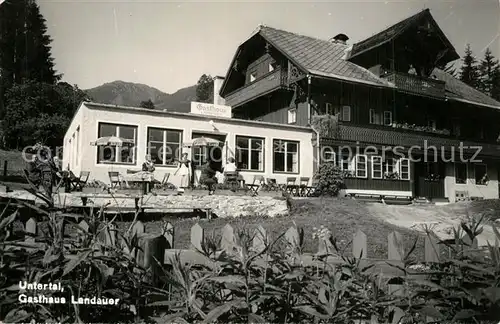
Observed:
{"x":393,"y":31}
{"x":324,"y":58}
{"x":319,"y":57}
{"x":460,"y":91}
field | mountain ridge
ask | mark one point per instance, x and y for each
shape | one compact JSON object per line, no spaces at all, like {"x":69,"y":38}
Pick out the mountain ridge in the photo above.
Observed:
{"x":126,"y":93}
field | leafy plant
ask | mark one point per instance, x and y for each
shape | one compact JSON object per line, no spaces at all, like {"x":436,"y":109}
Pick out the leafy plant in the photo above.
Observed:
{"x":330,"y":179}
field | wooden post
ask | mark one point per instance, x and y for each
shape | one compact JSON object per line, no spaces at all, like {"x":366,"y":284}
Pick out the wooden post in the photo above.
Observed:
{"x":197,"y":236}
{"x":227,"y":243}
{"x":31,"y":229}
{"x":359,"y":245}
{"x":151,"y":254}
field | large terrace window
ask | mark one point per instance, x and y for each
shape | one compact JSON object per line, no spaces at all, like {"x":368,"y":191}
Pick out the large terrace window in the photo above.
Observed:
{"x":285,"y":156}
{"x":164,"y":145}
{"x":250,"y":153}
{"x":112,"y":154}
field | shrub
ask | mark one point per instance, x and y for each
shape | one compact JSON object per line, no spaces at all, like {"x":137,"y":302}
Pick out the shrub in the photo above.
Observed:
{"x":330,"y":179}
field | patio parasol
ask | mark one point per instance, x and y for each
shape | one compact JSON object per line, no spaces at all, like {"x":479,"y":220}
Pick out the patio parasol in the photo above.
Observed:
{"x":203,"y":141}
{"x":111,"y":141}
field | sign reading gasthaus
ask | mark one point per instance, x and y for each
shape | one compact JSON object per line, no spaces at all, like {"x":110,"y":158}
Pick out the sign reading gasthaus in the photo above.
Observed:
{"x":201,"y":108}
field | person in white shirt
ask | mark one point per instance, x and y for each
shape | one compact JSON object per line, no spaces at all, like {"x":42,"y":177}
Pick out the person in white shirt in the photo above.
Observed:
{"x":230,"y":166}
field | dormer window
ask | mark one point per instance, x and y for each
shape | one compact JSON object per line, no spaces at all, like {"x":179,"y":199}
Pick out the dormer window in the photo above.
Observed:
{"x":252,"y":77}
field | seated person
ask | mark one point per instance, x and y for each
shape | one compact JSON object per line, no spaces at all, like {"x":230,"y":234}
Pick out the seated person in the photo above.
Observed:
{"x":230,"y":166}
{"x":148,"y":165}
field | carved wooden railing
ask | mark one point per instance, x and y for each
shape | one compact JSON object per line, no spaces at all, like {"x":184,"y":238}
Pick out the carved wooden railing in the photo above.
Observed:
{"x":416,"y":85}
{"x":267,"y":83}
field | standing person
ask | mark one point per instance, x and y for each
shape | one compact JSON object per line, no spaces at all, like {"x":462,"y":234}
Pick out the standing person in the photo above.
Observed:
{"x":183,"y":170}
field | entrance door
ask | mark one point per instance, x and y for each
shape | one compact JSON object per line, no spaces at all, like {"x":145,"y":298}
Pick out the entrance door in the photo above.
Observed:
{"x":429,"y":179}
{"x":199,"y":154}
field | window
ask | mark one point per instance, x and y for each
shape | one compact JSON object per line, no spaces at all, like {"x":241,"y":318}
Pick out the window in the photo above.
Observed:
{"x":199,"y":155}
{"x":377,"y":118}
{"x":377,"y":167}
{"x":112,"y":154}
{"x":329,"y":109}
{"x":292,"y":116}
{"x":285,"y":156}
{"x":329,"y":154}
{"x":481,"y":174}
{"x":272,"y":66}
{"x":361,"y":162}
{"x":345,"y":161}
{"x":252,"y":77}
{"x":249,"y":153}
{"x":346,"y":113}
{"x":404,"y":169}
{"x":389,"y":166}
{"x":387,"y":118}
{"x":164,"y":145}
{"x":460,"y":173}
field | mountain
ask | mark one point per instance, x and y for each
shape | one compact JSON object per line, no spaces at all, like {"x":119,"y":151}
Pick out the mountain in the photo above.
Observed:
{"x":131,"y":94}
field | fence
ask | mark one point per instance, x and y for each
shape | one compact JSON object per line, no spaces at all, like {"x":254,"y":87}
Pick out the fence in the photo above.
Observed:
{"x":162,"y":247}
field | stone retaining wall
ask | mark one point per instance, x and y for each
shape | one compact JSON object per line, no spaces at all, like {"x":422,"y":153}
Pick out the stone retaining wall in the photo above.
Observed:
{"x":221,"y":205}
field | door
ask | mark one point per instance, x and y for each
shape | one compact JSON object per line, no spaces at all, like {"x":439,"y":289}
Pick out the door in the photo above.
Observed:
{"x":199,"y":154}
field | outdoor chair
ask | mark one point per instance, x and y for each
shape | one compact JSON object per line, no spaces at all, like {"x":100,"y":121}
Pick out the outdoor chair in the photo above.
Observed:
{"x":77,"y":183}
{"x":291,"y":187}
{"x":231,"y":180}
{"x":114,"y":179}
{"x":313,"y":190}
{"x":164,"y":181}
{"x":272,"y":185}
{"x":303,"y":182}
{"x":255,"y":185}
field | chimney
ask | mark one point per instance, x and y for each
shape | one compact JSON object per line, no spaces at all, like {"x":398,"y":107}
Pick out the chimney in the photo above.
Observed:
{"x":340,"y":39}
{"x":218,"y":100}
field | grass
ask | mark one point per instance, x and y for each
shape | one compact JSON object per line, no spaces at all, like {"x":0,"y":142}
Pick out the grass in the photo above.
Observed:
{"x":342,"y":216}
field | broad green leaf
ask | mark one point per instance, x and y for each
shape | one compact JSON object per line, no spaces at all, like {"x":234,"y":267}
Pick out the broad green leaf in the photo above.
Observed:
{"x":217,"y":312}
{"x":240,"y":280}
{"x":72,"y":264}
{"x":8,"y":220}
{"x":308,"y":310}
{"x":255,"y":319}
{"x":493,"y":294}
{"x":431,"y":312}
{"x":429,"y":284}
{"x":465,"y":314}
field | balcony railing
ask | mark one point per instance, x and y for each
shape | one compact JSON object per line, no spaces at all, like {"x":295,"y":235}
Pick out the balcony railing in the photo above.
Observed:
{"x":385,"y":136}
{"x":417,"y":85}
{"x":267,"y":83}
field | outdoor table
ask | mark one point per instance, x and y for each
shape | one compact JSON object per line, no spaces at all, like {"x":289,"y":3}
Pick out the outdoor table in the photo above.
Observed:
{"x":144,"y":177}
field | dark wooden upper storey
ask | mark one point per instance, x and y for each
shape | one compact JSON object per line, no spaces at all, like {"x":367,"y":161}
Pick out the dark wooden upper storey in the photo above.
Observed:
{"x":397,"y":72}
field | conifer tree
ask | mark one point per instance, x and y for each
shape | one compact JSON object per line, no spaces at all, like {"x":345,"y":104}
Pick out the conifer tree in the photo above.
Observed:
{"x":469,"y":71}
{"x":487,"y":68}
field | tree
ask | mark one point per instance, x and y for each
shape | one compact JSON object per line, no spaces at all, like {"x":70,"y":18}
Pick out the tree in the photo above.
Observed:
{"x":25,"y":46}
{"x":147,"y":104}
{"x":39,"y":112}
{"x":205,"y":89}
{"x":487,"y":68}
{"x":469,"y":71}
{"x":495,"y":89}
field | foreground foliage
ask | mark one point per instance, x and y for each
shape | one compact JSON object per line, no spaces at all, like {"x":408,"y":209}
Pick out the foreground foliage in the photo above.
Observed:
{"x":243,"y":283}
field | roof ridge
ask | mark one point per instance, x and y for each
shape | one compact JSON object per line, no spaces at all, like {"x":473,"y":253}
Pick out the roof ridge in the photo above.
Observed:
{"x":302,"y":35}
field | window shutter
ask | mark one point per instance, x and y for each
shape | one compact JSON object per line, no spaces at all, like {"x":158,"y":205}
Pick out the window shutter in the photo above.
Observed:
{"x":377,"y":167}
{"x":346,"y":113}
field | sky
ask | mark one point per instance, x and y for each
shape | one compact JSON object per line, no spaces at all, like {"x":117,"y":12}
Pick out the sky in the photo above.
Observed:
{"x":169,"y":45}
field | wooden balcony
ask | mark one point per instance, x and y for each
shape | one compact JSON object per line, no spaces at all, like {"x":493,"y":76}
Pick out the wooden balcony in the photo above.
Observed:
{"x":364,"y":135}
{"x":266,"y":84}
{"x":414,"y":84}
